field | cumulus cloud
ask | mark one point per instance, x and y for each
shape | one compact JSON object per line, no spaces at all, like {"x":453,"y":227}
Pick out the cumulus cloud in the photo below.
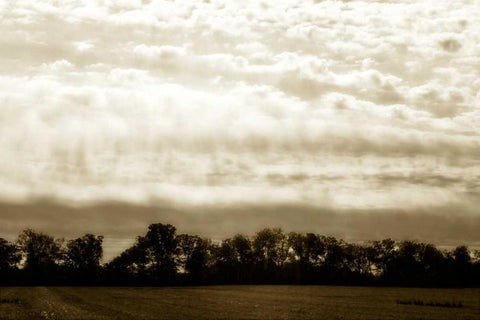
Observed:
{"x":358,"y":105}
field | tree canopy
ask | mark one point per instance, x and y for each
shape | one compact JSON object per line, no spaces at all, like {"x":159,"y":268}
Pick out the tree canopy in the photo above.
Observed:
{"x":163,"y":257}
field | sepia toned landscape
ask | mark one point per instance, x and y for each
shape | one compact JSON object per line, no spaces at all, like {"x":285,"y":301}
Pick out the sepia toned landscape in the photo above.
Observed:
{"x":253,"y":159}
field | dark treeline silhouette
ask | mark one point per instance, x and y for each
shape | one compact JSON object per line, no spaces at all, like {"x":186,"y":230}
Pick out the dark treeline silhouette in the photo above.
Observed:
{"x":163,"y":257}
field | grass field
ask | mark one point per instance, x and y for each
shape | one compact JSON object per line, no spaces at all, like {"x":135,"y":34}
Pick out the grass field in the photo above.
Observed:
{"x":236,"y":302}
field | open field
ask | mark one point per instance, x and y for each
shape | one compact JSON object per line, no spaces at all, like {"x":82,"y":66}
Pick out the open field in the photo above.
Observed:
{"x":235,"y":302}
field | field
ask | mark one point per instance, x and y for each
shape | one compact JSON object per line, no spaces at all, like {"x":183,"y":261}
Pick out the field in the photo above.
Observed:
{"x":237,"y":302}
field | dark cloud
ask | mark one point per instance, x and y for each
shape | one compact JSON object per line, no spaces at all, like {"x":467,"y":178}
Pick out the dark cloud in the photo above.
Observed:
{"x":433,"y":180}
{"x":121,"y":223}
{"x":450,"y":45}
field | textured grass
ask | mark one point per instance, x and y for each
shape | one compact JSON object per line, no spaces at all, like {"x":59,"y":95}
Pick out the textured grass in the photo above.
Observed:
{"x":235,"y":302}
{"x":444,"y":304}
{"x":13,"y":301}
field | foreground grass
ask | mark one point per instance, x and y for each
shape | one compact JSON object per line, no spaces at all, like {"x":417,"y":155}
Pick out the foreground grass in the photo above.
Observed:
{"x":234,"y":302}
{"x":444,"y":304}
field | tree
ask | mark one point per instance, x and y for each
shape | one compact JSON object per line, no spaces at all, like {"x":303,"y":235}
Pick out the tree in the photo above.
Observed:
{"x":461,"y":264}
{"x":9,"y":255}
{"x":162,"y":242}
{"x":243,"y":250}
{"x":9,"y":258}
{"x":42,"y":255}
{"x":433,"y":264}
{"x":234,"y":260}
{"x":83,"y":256}
{"x":153,"y":257}
{"x":383,"y":257}
{"x":315,"y":249}
{"x":163,"y":257}
{"x":192,"y":256}
{"x":271,"y":251}
{"x":334,"y":254}
{"x":410,"y":263}
{"x":132,"y":265}
{"x":358,"y":259}
{"x":298,"y":267}
{"x":298,"y":243}
{"x":476,"y":268}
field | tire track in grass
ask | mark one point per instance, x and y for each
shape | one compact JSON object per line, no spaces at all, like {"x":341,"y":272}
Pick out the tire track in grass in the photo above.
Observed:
{"x":49,"y":305}
{"x":44,"y":304}
{"x":97,"y":302}
{"x":140,"y":303}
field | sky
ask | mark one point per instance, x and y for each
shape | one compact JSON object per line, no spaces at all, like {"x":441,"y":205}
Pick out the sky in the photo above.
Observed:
{"x":358,"y":119}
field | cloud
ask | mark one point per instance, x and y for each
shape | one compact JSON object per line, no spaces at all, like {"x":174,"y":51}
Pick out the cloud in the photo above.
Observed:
{"x":342,"y":105}
{"x":120,"y":223}
{"x":450,"y":45}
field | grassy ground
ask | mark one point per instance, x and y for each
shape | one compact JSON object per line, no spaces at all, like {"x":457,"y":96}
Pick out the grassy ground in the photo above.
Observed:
{"x":235,"y":302}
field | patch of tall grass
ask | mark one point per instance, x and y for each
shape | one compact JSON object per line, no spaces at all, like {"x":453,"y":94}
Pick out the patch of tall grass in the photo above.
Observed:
{"x":443,"y":304}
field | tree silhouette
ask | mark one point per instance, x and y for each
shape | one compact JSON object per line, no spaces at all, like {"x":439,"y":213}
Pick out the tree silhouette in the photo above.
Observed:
{"x":358,"y":258}
{"x":461,"y":264}
{"x":383,"y":258}
{"x":132,"y":265}
{"x":270,"y":249}
{"x":83,"y":257}
{"x":162,"y":243}
{"x":42,"y":254}
{"x":9,"y":258}
{"x":161,"y":257}
{"x":234,"y":260}
{"x":192,"y":257}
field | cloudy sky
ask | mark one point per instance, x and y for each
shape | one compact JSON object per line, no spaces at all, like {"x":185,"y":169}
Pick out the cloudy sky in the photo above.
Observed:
{"x":359,"y":119}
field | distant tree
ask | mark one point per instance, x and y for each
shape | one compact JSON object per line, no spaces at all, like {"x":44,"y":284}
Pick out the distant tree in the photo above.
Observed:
{"x":9,"y":258}
{"x":409,"y":269}
{"x":476,"y":268}
{"x":153,"y":257}
{"x":9,"y":255}
{"x":162,"y":243}
{"x":234,"y":259}
{"x":83,"y":256}
{"x":225,"y":254}
{"x":462,"y":257}
{"x":476,"y":257}
{"x":334,"y":254}
{"x":271,"y":247}
{"x":271,"y":252}
{"x":42,"y":254}
{"x":132,"y":265}
{"x":461,"y":264}
{"x":315,"y":249}
{"x":383,"y":257}
{"x":199,"y":259}
{"x":433,"y":265}
{"x":358,"y":258}
{"x":185,"y":246}
{"x":245,"y":258}
{"x":298,"y":266}
{"x":193,"y":256}
{"x":243,"y":250}
{"x":163,"y":257}
{"x":298,"y":244}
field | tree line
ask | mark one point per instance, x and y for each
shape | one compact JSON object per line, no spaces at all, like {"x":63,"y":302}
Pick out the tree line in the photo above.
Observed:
{"x":271,"y":256}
